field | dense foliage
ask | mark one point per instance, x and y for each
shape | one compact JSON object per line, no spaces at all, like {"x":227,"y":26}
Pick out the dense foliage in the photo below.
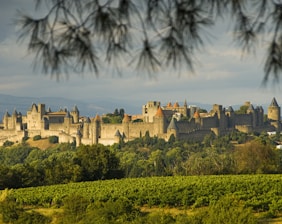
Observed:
{"x":24,"y":166}
{"x":120,"y":201}
{"x":115,"y":117}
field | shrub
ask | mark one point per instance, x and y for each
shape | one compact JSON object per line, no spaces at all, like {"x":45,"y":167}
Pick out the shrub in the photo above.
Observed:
{"x":53,"y":139}
{"x":25,"y":138}
{"x":8,"y":143}
{"x":36,"y":137}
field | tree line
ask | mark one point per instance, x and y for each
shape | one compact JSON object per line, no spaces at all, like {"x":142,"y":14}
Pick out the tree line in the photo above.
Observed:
{"x":234,"y":153}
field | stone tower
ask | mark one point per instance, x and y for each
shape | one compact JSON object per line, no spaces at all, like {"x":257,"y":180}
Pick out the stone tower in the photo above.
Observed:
{"x":75,"y":114}
{"x":172,"y":129}
{"x":229,"y":112}
{"x":125,"y":124}
{"x":86,"y":125}
{"x":96,"y":129}
{"x":273,"y":114}
{"x":159,"y":122}
{"x":253,"y":113}
{"x":149,"y":110}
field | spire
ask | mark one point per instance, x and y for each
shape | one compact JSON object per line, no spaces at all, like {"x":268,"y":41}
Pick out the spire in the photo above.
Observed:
{"x":175,"y":105}
{"x":75,"y":109}
{"x":274,"y":103}
{"x":88,"y":121}
{"x":15,"y":113}
{"x":117,"y":134}
{"x":172,"y":125}
{"x":7,"y":114}
{"x":185,"y":103}
{"x":97,"y":118}
{"x":68,"y":114}
{"x":230,"y":109}
{"x":251,"y":108}
{"x":160,"y":112}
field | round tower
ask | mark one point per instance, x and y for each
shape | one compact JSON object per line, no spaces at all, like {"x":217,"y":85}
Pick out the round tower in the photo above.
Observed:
{"x":6,"y":120}
{"x":159,"y":122}
{"x":273,"y":114}
{"x":125,"y":123}
{"x":96,"y":129}
{"x":75,"y":114}
{"x":78,"y":137}
{"x":172,"y":129}
{"x":86,"y":128}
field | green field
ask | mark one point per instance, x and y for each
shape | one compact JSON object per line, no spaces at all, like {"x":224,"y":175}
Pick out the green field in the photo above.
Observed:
{"x":262,"y":194}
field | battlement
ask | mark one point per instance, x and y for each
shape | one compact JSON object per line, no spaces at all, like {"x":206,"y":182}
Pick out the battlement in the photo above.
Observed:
{"x":183,"y":121}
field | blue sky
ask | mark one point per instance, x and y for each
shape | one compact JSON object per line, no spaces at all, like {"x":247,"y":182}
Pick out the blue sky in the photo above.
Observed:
{"x":221,"y":76}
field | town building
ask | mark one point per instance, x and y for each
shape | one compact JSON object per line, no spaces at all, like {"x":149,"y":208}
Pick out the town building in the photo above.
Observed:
{"x":184,"y":122}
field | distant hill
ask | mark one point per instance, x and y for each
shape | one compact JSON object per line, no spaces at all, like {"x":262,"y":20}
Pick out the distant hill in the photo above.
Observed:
{"x":22,"y":104}
{"x":87,"y":108}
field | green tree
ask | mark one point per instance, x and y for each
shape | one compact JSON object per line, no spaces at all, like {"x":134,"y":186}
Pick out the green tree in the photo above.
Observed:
{"x":168,"y":33}
{"x":255,"y":157}
{"x":243,"y":109}
{"x":98,"y":162}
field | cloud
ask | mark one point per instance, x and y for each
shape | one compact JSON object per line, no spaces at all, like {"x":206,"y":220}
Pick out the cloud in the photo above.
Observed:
{"x":221,"y":76}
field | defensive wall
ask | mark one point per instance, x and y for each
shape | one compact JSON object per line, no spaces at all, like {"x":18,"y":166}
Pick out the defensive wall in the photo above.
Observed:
{"x":184,"y":122}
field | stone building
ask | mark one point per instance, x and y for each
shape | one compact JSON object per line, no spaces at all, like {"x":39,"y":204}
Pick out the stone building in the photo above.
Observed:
{"x":184,"y":122}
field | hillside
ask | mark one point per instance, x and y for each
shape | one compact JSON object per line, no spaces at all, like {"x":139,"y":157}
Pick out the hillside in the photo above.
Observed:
{"x":252,"y":198}
{"x":41,"y":144}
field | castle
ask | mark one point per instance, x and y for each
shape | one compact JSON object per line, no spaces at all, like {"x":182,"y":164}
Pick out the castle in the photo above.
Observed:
{"x":184,"y":122}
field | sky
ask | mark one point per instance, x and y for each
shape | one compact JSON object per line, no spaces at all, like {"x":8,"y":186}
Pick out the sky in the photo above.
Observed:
{"x":221,"y":75}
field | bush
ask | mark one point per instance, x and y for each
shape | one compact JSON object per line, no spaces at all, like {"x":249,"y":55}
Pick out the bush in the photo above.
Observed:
{"x":8,"y":143}
{"x":25,"y":138}
{"x":53,"y":139}
{"x":36,"y":137}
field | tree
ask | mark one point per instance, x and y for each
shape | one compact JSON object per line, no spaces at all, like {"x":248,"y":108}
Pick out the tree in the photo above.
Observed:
{"x":256,"y":157}
{"x":98,"y":163}
{"x":149,"y":34}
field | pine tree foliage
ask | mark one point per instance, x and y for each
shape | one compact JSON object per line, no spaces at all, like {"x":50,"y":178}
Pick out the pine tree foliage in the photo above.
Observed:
{"x":148,"y":35}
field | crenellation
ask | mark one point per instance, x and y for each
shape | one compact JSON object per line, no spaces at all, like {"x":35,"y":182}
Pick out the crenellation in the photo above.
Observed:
{"x":184,"y":122}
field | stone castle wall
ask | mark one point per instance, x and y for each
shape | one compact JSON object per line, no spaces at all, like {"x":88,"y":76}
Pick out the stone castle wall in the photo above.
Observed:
{"x":70,"y":127}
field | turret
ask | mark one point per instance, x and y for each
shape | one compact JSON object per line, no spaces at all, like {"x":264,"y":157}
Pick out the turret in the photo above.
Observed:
{"x":159,"y":122}
{"x":68,"y":120}
{"x":6,"y":120}
{"x":251,"y":110}
{"x":172,"y":129}
{"x":75,"y":114}
{"x":78,"y":137}
{"x":229,"y":112}
{"x":273,"y":114}
{"x":86,"y":128}
{"x":96,"y":129}
{"x":125,"y":123}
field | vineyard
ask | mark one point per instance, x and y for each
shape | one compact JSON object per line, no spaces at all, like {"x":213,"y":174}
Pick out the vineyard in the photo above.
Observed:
{"x":259,"y":192}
